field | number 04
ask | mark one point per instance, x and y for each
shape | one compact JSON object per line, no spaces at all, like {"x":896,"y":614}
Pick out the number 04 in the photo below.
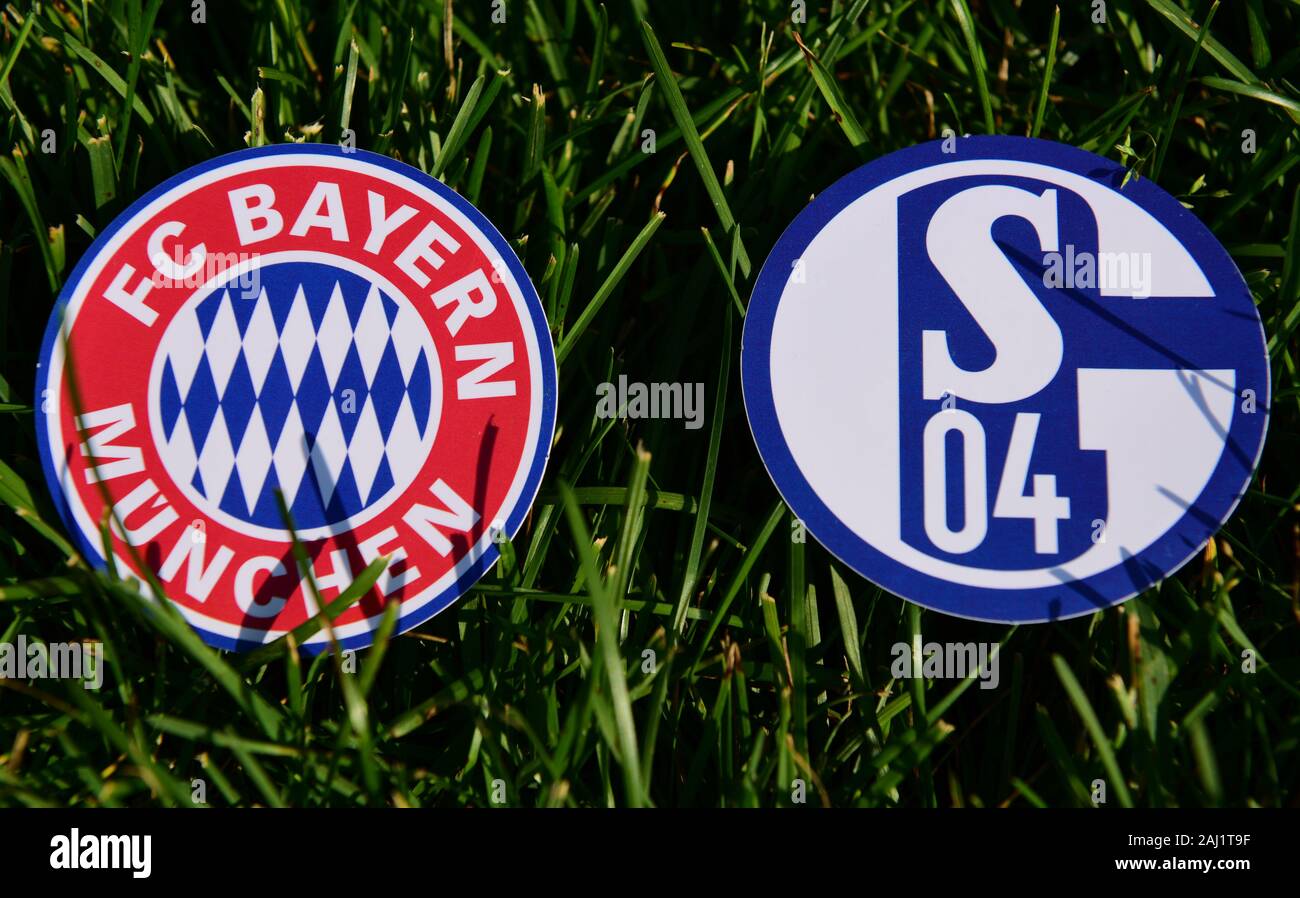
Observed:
{"x":1043,"y":506}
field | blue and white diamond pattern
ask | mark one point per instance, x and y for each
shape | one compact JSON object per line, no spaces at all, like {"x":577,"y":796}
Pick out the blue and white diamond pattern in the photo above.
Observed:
{"x":254,"y":396}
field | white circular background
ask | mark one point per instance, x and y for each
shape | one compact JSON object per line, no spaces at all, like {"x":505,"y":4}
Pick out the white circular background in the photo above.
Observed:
{"x":170,"y":336}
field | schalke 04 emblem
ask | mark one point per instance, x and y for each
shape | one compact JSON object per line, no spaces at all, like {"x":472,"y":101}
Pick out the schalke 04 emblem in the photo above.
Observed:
{"x":1007,"y":382}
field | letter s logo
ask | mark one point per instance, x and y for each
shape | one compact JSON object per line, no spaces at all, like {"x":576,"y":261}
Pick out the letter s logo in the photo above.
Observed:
{"x":1026,"y":340}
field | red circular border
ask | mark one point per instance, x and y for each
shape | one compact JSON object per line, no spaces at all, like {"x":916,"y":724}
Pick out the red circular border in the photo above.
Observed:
{"x":112,"y":354}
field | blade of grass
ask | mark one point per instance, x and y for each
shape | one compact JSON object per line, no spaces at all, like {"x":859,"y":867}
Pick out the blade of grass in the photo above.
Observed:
{"x":967,"y":25}
{"x":1047,"y":73}
{"x":691,"y":573}
{"x":694,"y":145}
{"x":1093,"y":726}
{"x":607,"y":640}
{"x":612,"y":280}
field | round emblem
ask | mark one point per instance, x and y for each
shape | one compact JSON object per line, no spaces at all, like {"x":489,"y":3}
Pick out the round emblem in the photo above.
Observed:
{"x":306,"y":333}
{"x":1002,"y":382}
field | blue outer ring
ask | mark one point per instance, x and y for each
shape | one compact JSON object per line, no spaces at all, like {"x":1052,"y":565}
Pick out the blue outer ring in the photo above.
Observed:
{"x":1179,"y":544}
{"x":545,"y":435}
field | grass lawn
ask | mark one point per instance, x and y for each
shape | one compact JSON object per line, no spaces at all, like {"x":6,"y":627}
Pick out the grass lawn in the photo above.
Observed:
{"x":656,"y":634}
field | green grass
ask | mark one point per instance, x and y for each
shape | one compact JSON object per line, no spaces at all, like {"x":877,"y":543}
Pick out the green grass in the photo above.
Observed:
{"x":771,"y":662}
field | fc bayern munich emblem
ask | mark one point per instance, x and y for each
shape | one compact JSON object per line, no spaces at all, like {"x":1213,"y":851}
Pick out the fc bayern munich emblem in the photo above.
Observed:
{"x":298,"y":328}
